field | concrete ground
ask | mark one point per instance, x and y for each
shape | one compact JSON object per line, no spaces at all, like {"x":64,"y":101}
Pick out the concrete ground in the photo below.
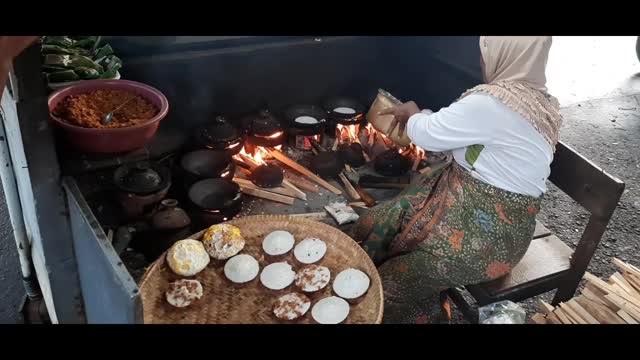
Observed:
{"x":597,"y":80}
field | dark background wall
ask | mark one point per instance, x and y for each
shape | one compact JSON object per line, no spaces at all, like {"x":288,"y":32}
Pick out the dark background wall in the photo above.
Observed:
{"x":202,"y":76}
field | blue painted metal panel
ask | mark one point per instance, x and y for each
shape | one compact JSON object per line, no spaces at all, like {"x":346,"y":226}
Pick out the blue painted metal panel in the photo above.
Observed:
{"x":110,"y":295}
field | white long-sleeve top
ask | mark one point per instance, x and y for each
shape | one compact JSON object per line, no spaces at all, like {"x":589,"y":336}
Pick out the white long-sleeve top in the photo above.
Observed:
{"x":489,"y":139}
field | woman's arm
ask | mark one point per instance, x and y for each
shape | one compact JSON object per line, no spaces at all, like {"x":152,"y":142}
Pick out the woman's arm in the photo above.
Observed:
{"x":464,"y":123}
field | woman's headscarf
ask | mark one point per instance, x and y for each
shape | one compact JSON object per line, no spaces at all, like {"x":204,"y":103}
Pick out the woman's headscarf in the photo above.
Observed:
{"x":514,"y":68}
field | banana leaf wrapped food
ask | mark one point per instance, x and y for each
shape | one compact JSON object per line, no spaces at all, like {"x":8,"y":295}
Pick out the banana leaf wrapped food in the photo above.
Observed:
{"x":73,"y":58}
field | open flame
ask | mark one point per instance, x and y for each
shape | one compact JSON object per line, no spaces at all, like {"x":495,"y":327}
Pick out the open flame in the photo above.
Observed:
{"x":348,"y":133}
{"x":272,"y":136}
{"x":258,"y":157}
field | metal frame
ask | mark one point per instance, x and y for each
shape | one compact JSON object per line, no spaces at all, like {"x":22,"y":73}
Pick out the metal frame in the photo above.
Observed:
{"x":32,"y":145}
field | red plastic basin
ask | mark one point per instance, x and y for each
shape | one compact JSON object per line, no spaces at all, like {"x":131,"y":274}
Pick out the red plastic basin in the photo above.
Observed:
{"x":115,"y":140}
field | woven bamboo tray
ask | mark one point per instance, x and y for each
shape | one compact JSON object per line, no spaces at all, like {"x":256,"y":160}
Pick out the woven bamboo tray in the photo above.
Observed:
{"x":224,"y":302}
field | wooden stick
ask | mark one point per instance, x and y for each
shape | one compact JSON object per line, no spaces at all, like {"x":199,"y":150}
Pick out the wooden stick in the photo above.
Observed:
{"x":366,"y":156}
{"x":617,"y":279}
{"x":626,"y":317}
{"x":545,"y":307}
{"x":610,"y":289}
{"x":277,"y":190}
{"x":313,"y":216}
{"x":249,"y":161}
{"x":624,"y":305}
{"x":599,"y":296}
{"x":358,"y":204}
{"x":350,"y":189}
{"x":538,"y":319}
{"x":578,"y":309}
{"x":635,"y":282}
{"x":626,"y":267}
{"x":303,"y":184}
{"x":552,"y":318}
{"x":267,"y":195}
{"x":599,"y":311}
{"x":562,"y":316}
{"x":303,"y":170}
{"x":572,"y":314}
{"x":297,"y":192}
{"x":335,"y":144}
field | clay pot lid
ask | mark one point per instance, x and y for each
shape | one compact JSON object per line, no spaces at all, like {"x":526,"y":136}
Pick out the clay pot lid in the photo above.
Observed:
{"x":262,"y":123}
{"x":170,"y":216}
{"x":206,"y":163}
{"x":219,"y":133}
{"x":141,"y":178}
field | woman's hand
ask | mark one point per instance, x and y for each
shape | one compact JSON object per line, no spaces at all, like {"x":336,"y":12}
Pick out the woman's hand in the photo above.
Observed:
{"x":401,"y":115}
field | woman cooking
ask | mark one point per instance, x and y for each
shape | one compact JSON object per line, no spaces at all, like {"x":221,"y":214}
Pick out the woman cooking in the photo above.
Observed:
{"x":472,"y":220}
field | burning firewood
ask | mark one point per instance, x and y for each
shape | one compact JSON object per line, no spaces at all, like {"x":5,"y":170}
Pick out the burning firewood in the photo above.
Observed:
{"x":303,"y":170}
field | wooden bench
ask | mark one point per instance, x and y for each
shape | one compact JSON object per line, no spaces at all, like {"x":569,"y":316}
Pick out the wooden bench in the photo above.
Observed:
{"x":549,"y":263}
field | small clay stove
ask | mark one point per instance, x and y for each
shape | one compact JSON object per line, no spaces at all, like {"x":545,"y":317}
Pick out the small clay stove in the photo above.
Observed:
{"x":219,"y":135}
{"x":305,"y":124}
{"x":140,"y":186}
{"x":205,"y":164}
{"x":214,"y":201}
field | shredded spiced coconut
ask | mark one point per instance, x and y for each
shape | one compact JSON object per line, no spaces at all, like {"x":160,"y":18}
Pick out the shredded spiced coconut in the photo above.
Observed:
{"x":291,"y":306}
{"x":87,"y":110}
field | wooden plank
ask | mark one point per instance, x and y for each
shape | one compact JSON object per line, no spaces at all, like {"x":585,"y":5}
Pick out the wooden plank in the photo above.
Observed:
{"x":601,"y":312}
{"x":303,"y":170}
{"x":572,"y":314}
{"x":267,"y":195}
{"x":538,"y":319}
{"x":278,"y":190}
{"x":297,"y":192}
{"x":626,"y":317}
{"x":582,"y":312}
{"x":303,"y":184}
{"x":545,"y":256}
{"x":349,"y":188}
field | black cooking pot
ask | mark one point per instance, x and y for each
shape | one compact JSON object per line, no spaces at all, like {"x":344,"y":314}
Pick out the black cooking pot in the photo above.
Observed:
{"x":205,"y":164}
{"x":305,"y":120}
{"x":214,"y":201}
{"x":140,"y":186}
{"x":219,"y":135}
{"x":263,"y":129}
{"x":345,"y":111}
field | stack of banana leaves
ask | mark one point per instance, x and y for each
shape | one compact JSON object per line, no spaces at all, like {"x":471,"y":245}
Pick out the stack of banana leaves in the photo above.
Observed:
{"x":68,"y":58}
